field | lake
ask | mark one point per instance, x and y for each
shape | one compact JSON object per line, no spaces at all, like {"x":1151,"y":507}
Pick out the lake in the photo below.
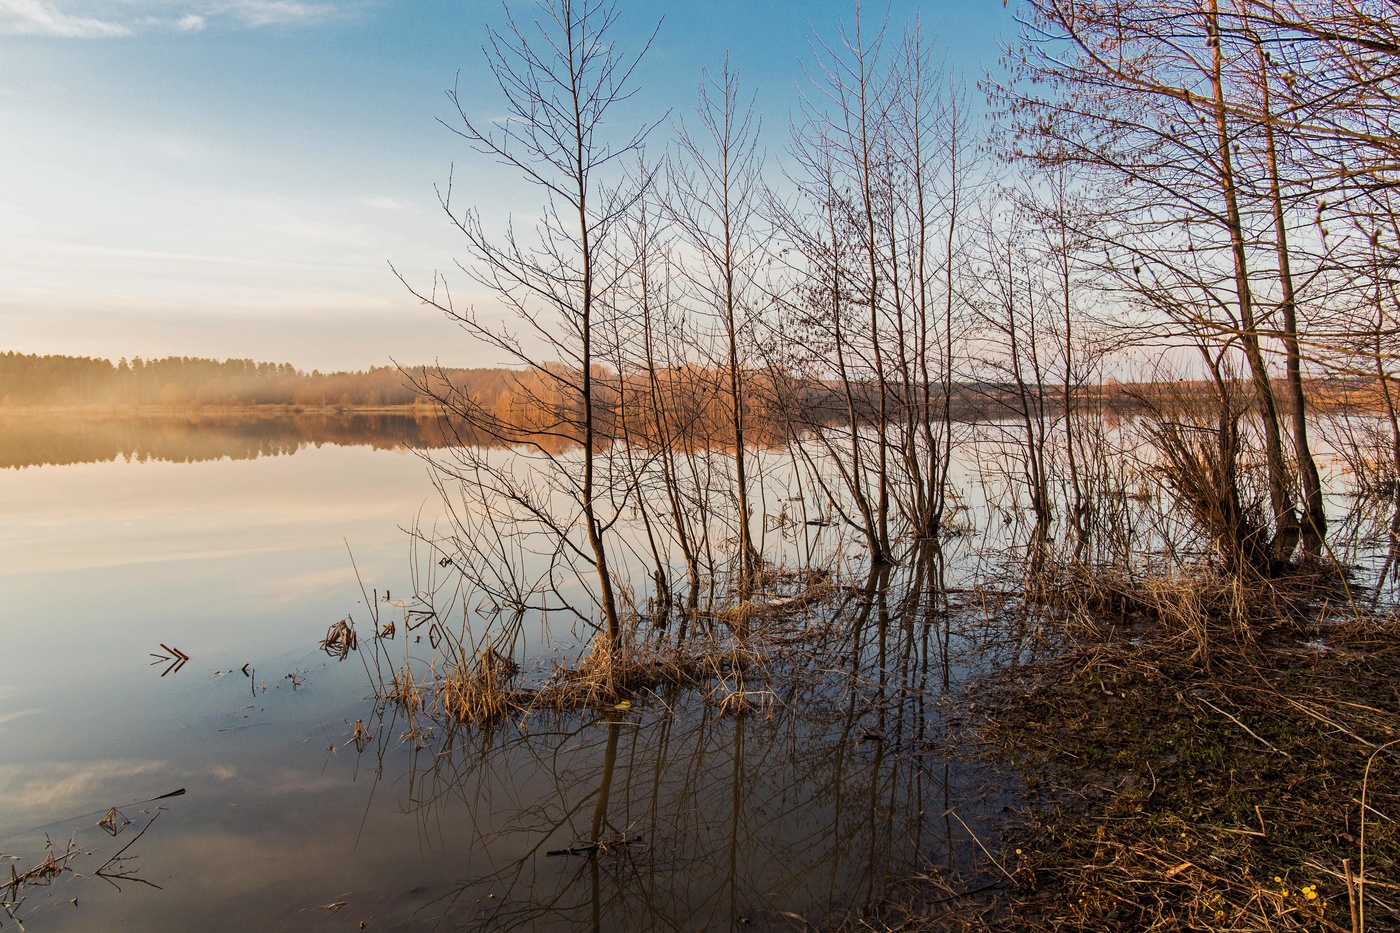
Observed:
{"x":230,"y":541}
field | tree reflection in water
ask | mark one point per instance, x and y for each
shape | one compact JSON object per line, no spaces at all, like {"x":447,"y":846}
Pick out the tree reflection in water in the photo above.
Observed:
{"x":687,"y":811}
{"x":67,"y":437}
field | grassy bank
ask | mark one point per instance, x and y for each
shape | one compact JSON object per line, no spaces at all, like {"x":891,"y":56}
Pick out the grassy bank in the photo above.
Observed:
{"x":1236,"y":775}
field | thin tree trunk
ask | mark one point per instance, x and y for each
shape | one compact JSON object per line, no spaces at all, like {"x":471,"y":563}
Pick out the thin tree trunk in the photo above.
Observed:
{"x":1280,"y":497}
{"x":595,"y":531}
{"x":1314,"y":508}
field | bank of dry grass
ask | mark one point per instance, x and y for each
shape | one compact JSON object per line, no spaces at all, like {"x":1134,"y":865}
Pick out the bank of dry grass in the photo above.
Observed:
{"x":1206,"y":756}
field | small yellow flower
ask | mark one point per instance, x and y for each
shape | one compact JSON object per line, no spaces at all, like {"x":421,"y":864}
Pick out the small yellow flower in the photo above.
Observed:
{"x":1018,"y":851}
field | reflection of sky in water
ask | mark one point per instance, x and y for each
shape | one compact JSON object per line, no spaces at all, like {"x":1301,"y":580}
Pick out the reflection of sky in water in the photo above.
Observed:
{"x":245,"y":561}
{"x":232,"y":562}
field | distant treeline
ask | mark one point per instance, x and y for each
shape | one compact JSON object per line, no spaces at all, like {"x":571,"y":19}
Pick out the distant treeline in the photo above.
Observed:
{"x":777,"y":404}
{"x":28,"y":380}
{"x":537,"y":403}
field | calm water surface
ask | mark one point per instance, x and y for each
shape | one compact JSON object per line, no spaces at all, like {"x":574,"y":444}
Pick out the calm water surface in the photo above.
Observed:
{"x":237,"y":552}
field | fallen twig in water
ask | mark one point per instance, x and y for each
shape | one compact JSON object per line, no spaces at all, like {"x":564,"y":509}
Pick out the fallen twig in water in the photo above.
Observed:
{"x":602,"y":845}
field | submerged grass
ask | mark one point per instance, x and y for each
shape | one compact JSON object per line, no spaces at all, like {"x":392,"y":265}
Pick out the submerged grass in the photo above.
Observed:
{"x":726,"y":649}
{"x":53,"y":865}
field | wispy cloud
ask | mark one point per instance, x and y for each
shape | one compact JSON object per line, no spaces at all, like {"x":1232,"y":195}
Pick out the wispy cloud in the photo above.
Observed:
{"x":37,"y":18}
{"x":274,"y":12}
{"x":383,"y":203}
{"x":88,"y":19}
{"x":56,"y":787}
{"x":11,"y":717}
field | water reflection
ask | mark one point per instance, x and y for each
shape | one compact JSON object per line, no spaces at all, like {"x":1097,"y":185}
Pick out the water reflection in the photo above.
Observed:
{"x":66,"y":437}
{"x":820,"y":794}
{"x":103,"y":846}
{"x":814,"y":786}
{"x":58,"y":439}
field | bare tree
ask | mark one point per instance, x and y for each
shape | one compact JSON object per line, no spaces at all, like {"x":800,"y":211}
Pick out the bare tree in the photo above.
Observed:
{"x":716,"y":189}
{"x":930,"y":158}
{"x":1150,"y":102}
{"x":883,"y":156}
{"x":850,"y":127}
{"x":560,"y":78}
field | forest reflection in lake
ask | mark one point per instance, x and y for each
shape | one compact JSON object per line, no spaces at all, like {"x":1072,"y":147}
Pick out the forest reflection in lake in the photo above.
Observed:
{"x":68,"y":437}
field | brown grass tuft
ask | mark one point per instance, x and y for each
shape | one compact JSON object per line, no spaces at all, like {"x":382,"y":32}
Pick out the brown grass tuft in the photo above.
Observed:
{"x":478,"y":692}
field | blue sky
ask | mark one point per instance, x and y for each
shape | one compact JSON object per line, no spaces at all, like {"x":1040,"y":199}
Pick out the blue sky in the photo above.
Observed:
{"x":231,"y":177}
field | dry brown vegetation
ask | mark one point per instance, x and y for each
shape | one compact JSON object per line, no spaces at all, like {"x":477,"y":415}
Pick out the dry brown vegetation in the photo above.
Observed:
{"x":725,"y":654}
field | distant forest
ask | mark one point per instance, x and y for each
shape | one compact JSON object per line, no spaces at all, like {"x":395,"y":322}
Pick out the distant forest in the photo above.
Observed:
{"x":28,"y":380}
{"x":777,"y":404}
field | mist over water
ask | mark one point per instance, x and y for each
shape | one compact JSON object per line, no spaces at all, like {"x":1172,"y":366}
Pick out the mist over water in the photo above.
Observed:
{"x":57,"y":439}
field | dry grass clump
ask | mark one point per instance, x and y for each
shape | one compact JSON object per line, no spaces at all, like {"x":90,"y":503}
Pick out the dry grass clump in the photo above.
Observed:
{"x":402,"y":690}
{"x":1193,"y":612}
{"x":12,"y":890}
{"x":611,"y":672}
{"x":781,"y":594}
{"x":738,"y":616}
{"x":480,"y":686}
{"x":482,"y":689}
{"x":477,"y":691}
{"x":1166,"y":794}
